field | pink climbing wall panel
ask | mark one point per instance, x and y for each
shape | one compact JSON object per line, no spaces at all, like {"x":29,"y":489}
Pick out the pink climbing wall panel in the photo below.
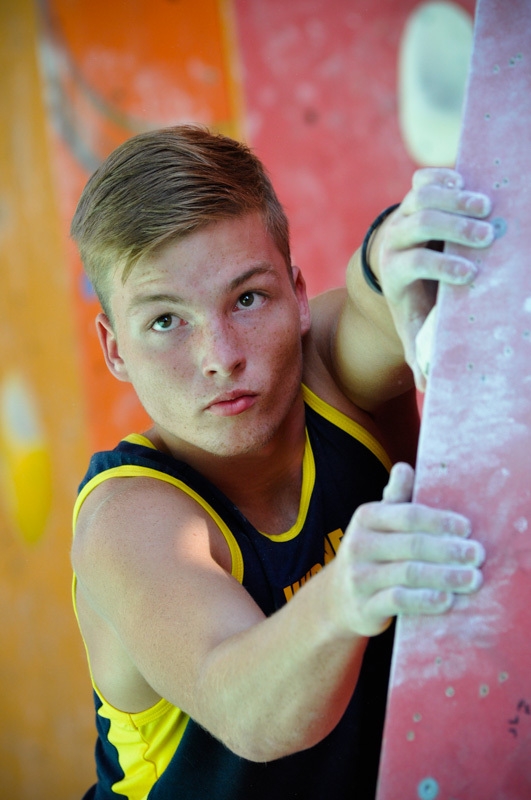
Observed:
{"x":320,"y":99}
{"x":459,"y":716}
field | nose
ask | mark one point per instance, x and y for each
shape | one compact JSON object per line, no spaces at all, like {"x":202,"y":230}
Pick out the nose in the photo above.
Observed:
{"x":222,"y":351}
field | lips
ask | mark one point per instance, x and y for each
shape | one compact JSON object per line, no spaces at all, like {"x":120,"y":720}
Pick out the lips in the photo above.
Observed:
{"x":232,"y":403}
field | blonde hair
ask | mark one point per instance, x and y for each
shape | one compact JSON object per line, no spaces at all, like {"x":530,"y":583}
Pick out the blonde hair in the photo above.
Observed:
{"x":162,"y":185}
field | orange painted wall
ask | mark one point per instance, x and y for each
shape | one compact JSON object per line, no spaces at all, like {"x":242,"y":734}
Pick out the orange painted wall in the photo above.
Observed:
{"x":76,"y":78}
{"x":108,"y":78}
{"x":42,"y":448}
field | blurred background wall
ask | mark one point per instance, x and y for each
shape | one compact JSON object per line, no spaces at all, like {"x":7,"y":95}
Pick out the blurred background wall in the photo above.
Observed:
{"x":342,"y":99}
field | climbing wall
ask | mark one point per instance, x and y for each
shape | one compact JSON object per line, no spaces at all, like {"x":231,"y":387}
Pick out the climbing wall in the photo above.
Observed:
{"x":459,"y":717}
{"x":312,"y":86}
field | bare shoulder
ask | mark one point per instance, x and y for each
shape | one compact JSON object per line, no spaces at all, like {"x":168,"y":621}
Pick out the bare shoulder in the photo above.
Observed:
{"x":320,"y":364}
{"x":123,"y":517}
{"x":326,"y":310}
{"x":344,"y":366}
{"x":154,"y":591}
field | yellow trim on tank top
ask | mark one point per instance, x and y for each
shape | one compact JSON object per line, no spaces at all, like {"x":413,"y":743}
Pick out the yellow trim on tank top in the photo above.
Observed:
{"x":308,"y":482}
{"x":146,"y":743}
{"x":139,"y":438}
{"x":348,"y":425}
{"x":134,"y":471}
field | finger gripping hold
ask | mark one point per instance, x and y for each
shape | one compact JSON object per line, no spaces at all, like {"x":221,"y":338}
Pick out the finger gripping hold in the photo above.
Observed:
{"x":421,"y":601}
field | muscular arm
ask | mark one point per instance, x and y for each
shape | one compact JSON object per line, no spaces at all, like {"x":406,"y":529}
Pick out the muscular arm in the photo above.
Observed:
{"x":196,"y":636}
{"x":266,"y":687}
{"x":373,"y":377}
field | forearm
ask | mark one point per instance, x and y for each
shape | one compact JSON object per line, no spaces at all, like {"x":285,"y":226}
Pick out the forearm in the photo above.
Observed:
{"x":370,"y":305}
{"x":282,"y":685}
{"x":368,"y":353}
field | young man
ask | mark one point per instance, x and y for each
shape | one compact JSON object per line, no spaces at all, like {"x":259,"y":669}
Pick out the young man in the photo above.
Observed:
{"x":272,"y":438}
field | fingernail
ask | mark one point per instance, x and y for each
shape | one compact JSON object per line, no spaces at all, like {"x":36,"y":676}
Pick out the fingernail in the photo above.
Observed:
{"x":477,"y":204}
{"x":439,"y":598}
{"x":481,"y":554}
{"x":464,"y":269}
{"x":466,"y":580}
{"x":483,"y":233}
{"x":477,"y":580}
{"x":473,"y":553}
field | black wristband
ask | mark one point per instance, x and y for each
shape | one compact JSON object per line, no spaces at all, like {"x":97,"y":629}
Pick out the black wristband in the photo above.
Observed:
{"x":368,"y":274}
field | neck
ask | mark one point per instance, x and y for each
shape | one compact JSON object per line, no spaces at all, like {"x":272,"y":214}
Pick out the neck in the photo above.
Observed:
{"x":265,"y":485}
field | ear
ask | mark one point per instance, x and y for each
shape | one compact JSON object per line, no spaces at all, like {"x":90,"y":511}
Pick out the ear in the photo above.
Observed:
{"x":109,"y":345}
{"x":302,"y":298}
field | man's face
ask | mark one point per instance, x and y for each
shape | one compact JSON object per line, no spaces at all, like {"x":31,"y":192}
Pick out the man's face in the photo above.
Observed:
{"x":208,"y":331}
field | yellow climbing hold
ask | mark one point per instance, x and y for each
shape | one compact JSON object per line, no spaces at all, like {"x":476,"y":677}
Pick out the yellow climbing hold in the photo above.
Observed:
{"x":25,"y":463}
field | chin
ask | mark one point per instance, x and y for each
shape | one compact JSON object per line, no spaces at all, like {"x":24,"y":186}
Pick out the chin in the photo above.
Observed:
{"x":239,"y":449}
{"x":241,"y":443}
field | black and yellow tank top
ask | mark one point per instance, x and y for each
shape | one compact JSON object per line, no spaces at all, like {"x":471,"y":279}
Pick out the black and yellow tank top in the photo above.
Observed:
{"x":162,"y":754}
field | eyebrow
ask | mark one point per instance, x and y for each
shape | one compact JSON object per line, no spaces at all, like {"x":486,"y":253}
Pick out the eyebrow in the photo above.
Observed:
{"x":162,"y":297}
{"x":261,"y":269}
{"x":174,"y":299}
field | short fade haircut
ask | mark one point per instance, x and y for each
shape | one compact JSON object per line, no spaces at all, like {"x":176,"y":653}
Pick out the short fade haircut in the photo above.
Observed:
{"x":160,"y":186}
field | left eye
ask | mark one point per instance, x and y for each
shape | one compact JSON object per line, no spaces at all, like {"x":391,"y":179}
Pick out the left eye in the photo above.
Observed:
{"x":165,"y":322}
{"x":249,"y":299}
